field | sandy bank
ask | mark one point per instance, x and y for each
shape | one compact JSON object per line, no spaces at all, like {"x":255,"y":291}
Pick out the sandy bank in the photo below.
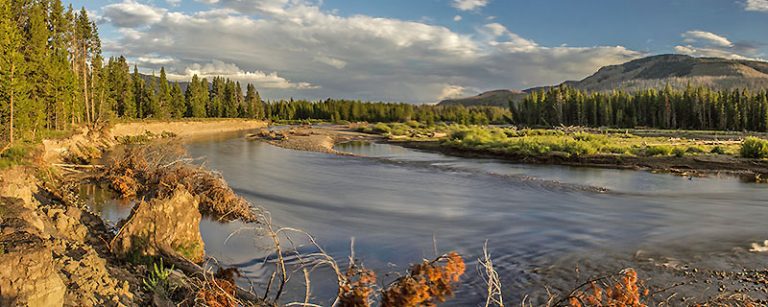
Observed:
{"x":187,"y":128}
{"x":87,"y":142}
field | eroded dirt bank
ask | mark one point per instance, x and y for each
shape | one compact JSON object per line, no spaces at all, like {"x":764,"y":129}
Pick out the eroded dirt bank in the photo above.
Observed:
{"x":54,"y":251}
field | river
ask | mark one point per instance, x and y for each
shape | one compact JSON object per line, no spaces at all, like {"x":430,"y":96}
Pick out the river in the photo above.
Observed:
{"x":546,"y":226}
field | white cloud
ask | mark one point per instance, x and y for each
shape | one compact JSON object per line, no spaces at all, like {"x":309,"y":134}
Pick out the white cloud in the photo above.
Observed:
{"x":451,"y":91}
{"x":338,"y":64}
{"x":154,"y":60}
{"x":707,"y":44}
{"x":228,"y":70}
{"x":707,"y":37}
{"x":173,"y":2}
{"x":457,"y":18}
{"x":757,"y":5}
{"x":129,"y":14}
{"x":358,"y":56}
{"x":469,"y":5}
{"x":708,"y":52}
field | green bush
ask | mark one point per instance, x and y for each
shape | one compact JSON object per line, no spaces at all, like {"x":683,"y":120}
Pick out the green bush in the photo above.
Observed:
{"x":754,"y":148}
{"x":718,"y":150}
{"x":14,"y":155}
{"x":679,"y":152}
{"x":660,"y":150}
{"x":400,"y":129}
{"x":694,"y":150}
{"x":381,"y":128}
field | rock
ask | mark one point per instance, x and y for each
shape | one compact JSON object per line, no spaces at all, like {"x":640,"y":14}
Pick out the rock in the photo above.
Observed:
{"x":29,"y":276}
{"x":16,"y":217}
{"x":88,"y":279}
{"x":17,"y":182}
{"x":67,"y":223}
{"x":163,"y":225}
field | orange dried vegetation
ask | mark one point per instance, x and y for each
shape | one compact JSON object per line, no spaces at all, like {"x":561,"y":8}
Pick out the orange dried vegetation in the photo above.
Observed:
{"x":427,"y":283}
{"x":219,"y":291}
{"x":356,"y":289}
{"x":623,"y":293}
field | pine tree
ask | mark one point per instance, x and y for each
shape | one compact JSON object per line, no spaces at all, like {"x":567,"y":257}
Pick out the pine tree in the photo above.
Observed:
{"x":163,"y":107}
{"x":138,"y":93}
{"x":177,"y":101}
{"x":12,"y":66}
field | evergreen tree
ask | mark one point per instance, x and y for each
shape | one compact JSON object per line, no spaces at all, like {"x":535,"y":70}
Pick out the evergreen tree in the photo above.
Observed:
{"x":163,"y":107}
{"x":12,"y":66}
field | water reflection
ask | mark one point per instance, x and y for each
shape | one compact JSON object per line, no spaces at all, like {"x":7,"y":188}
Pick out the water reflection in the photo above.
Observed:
{"x":393,"y":200}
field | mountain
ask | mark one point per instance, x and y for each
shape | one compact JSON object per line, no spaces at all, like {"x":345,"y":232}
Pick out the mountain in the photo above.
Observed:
{"x":678,"y":71}
{"x":651,"y":72}
{"x":499,"y":98}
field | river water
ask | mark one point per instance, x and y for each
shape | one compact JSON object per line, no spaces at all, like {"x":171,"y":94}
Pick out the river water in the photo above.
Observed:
{"x":546,"y":226}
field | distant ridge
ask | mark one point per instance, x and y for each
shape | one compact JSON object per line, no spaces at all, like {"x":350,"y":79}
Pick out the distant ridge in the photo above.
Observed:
{"x":499,"y":98}
{"x":650,"y":72}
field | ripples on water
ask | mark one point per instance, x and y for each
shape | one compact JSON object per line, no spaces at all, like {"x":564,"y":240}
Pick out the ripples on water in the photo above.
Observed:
{"x":538,"y":220}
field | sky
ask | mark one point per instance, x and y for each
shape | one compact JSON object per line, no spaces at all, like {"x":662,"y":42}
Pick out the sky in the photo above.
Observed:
{"x":417,"y":51}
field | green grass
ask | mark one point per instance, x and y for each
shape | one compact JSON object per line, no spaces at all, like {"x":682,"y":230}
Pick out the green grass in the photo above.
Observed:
{"x":539,"y":142}
{"x":15,"y":155}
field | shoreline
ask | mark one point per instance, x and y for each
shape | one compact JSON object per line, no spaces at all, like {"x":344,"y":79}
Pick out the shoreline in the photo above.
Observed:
{"x":695,"y":166}
{"x":56,"y":251}
{"x":324,"y":138}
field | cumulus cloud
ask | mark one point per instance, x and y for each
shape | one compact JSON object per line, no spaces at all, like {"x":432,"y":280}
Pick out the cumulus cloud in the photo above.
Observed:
{"x":451,"y":91}
{"x":228,"y":70}
{"x":757,"y":5}
{"x":457,"y":18}
{"x":707,"y":44}
{"x":469,"y":5}
{"x":293,"y":48}
{"x":708,"y":37}
{"x":129,"y":14}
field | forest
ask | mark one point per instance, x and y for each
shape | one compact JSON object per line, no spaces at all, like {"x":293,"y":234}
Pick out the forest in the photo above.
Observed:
{"x":697,"y":108}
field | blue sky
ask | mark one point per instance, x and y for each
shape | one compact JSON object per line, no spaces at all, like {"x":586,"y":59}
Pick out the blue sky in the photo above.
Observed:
{"x":417,"y":50}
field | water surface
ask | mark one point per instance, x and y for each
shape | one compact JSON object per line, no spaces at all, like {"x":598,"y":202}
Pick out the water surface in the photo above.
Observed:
{"x":393,"y":201}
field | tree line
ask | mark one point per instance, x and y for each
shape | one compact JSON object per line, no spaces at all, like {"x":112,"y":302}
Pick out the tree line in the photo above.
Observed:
{"x":690,"y":108}
{"x":358,"y":111}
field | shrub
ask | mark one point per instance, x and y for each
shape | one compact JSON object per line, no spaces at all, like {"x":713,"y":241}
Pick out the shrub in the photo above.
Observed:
{"x":660,"y":150}
{"x":719,"y":150}
{"x":400,"y":129}
{"x":678,"y":152}
{"x":694,"y":149}
{"x":754,"y":148}
{"x":14,"y":155}
{"x":426,"y":283}
{"x":623,"y":292}
{"x":158,"y":280}
{"x":381,"y":128}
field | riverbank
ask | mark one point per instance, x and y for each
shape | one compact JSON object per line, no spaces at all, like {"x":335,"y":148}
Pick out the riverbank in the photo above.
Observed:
{"x":317,"y":138}
{"x":701,"y":165}
{"x":54,"y":251}
{"x":682,"y":153}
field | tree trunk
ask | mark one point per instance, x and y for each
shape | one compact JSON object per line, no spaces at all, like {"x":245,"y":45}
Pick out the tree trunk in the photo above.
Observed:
{"x":13,"y":68}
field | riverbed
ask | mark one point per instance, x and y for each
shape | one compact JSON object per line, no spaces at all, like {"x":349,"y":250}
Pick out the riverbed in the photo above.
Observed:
{"x":546,"y":226}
